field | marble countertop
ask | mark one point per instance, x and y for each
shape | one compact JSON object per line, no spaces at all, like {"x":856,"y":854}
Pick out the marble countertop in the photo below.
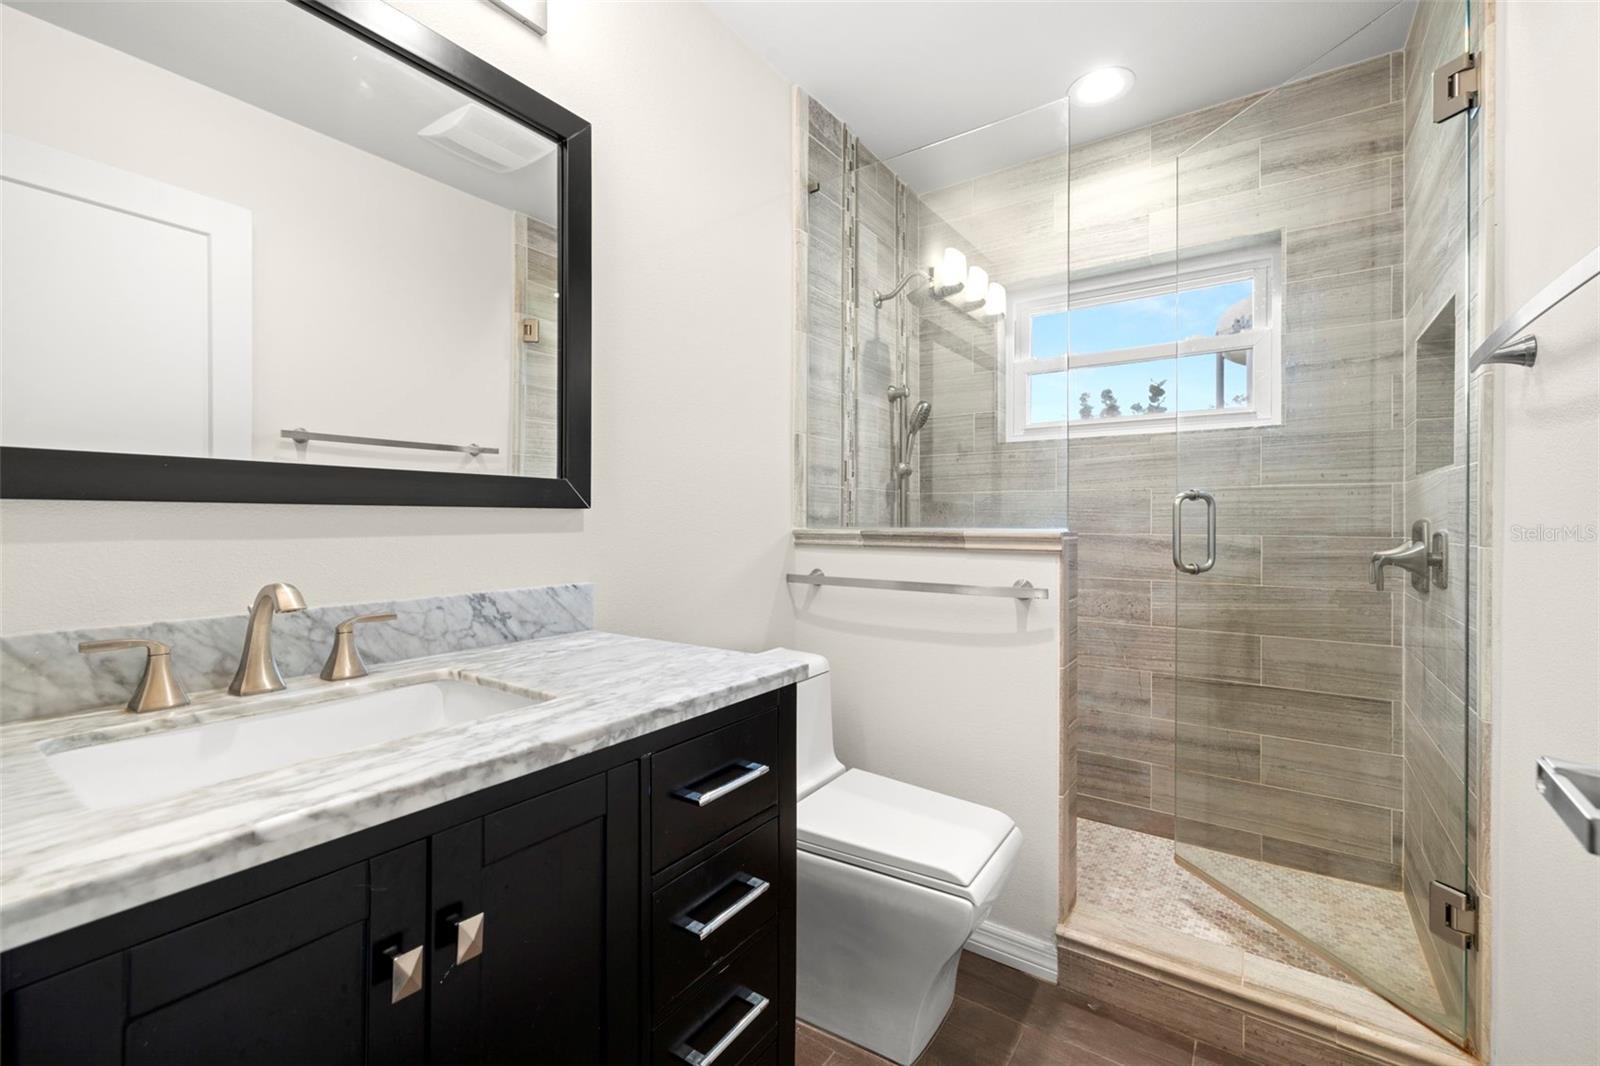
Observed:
{"x":63,"y":864}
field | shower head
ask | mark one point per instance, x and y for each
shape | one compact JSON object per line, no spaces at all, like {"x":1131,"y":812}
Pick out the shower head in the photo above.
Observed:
{"x":919,"y":417}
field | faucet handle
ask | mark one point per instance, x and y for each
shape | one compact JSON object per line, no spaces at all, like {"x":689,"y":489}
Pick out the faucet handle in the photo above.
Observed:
{"x":158,"y":689}
{"x":344,"y":659}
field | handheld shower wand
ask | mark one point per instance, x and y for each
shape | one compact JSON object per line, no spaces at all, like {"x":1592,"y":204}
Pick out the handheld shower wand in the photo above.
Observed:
{"x":914,"y":423}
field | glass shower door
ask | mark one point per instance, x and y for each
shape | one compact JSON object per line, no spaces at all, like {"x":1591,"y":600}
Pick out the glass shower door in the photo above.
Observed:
{"x":1320,"y":516}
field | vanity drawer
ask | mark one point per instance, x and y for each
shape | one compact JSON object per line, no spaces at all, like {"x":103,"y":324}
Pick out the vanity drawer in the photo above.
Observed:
{"x":706,"y":786}
{"x":735,"y":1006}
{"x":708,"y":911}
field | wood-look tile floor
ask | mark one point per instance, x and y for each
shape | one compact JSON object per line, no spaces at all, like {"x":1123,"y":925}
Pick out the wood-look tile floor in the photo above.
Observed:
{"x":1002,"y":1017}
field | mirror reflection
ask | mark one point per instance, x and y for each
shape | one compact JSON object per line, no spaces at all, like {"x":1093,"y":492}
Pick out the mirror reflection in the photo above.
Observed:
{"x":237,"y":231}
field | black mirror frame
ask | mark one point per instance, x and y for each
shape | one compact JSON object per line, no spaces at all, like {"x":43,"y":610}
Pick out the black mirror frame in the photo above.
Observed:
{"x":58,"y":474}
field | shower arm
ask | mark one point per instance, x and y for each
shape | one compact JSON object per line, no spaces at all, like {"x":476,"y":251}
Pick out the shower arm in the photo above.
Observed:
{"x":881,"y":298}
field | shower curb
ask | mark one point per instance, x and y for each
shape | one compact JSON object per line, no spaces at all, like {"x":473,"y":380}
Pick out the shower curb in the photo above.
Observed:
{"x":1255,"y":1010}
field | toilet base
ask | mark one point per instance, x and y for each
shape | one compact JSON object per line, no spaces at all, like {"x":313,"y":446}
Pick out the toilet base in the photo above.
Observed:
{"x":876,"y":956}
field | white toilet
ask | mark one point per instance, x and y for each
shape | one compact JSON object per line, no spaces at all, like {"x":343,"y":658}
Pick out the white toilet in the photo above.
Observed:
{"x":893,"y":879}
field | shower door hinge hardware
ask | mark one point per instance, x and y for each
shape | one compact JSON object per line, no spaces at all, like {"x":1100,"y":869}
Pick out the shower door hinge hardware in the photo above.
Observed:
{"x":1453,"y":915}
{"x":1455,"y":87}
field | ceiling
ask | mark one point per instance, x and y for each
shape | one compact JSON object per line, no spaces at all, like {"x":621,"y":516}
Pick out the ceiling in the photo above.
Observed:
{"x":908,"y":74}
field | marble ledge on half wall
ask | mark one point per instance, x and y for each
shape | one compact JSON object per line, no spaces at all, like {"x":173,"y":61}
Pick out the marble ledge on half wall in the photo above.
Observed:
{"x":1028,"y":540}
{"x":43,"y":675}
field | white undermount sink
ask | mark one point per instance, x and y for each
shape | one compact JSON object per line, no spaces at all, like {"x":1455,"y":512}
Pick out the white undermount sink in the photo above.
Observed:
{"x":121,"y":773}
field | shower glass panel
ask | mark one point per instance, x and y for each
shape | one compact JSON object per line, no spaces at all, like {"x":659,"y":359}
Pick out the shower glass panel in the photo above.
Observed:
{"x":1320,"y":705}
{"x":918,"y":268}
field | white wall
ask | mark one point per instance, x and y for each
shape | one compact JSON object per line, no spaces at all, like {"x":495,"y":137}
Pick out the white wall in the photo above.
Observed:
{"x":382,"y":297}
{"x":953,"y":693}
{"x":1545,"y":932}
{"x":690,"y":526}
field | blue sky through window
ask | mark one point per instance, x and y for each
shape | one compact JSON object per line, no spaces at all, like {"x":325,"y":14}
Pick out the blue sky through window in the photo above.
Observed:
{"x":1159,"y":319}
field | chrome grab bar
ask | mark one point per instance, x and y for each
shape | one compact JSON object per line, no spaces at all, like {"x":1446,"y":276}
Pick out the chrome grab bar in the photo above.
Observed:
{"x":1019,"y":590}
{"x":1177,"y":531}
{"x":753,"y":770}
{"x":301,"y":435}
{"x":1502,"y":346}
{"x":701,"y":930}
{"x":758,"y":1003}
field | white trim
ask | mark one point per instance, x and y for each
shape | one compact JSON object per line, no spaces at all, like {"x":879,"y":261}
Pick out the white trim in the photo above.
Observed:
{"x":1031,"y":954}
{"x":227,"y":229}
{"x":1263,"y":263}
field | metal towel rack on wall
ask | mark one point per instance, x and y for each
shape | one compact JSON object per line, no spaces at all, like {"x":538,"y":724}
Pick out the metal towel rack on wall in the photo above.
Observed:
{"x":1506,"y":345}
{"x":301,"y":436}
{"x":1020,"y":590}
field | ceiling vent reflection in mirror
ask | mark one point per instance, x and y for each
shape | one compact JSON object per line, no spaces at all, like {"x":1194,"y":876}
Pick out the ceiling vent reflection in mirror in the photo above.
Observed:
{"x":487,"y":139}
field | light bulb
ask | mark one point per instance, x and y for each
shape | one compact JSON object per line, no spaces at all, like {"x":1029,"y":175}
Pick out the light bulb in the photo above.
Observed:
{"x":995,"y":303}
{"x":977,"y":288}
{"x":952,"y":269}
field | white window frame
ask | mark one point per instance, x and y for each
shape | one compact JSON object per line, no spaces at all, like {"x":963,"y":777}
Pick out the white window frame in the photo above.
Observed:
{"x":1261,"y":263}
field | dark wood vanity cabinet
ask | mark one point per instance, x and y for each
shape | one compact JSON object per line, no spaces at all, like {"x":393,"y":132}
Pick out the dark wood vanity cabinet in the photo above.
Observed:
{"x":633,"y":905}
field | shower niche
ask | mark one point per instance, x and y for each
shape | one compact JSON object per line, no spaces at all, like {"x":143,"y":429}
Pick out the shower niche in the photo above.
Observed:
{"x":1432,"y":422}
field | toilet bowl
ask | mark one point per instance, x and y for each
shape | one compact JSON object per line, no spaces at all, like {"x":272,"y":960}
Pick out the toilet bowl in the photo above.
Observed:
{"x":892,"y":880}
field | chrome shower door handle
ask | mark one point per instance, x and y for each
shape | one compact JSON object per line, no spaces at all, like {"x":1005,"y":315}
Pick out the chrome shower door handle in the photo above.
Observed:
{"x":1177,"y":531}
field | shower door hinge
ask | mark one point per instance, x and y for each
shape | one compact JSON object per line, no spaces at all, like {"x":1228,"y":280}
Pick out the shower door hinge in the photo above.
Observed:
{"x":1453,"y":915}
{"x":1455,"y":87}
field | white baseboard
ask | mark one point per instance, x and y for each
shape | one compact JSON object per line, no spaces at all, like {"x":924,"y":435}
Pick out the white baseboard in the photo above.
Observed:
{"x":1030,"y":954}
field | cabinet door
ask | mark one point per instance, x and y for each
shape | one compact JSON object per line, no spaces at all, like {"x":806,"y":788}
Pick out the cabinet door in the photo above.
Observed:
{"x":535,"y":929}
{"x":305,"y":975}
{"x":72,"y":1018}
{"x":278,"y":980}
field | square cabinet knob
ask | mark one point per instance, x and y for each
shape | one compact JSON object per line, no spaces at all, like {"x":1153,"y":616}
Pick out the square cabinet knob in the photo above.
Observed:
{"x":406,"y":977}
{"x":469,"y":938}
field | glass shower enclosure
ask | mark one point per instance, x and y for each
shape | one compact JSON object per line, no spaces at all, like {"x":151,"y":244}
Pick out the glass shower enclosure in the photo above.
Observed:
{"x":1324,"y":718}
{"x":1228,"y":350}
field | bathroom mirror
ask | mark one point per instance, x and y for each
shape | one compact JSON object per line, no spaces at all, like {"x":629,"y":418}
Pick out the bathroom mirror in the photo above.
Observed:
{"x":286,"y":252}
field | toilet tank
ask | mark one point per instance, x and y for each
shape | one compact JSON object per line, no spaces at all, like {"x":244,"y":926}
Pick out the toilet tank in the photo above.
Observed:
{"x":816,"y":763}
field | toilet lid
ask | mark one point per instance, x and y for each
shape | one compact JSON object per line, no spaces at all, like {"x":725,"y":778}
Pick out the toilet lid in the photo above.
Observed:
{"x":890,"y":824}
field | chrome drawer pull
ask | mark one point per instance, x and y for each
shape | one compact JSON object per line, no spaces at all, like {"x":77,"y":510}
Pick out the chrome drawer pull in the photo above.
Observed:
{"x":758,"y":1003}
{"x":758,"y":888}
{"x":753,"y":770}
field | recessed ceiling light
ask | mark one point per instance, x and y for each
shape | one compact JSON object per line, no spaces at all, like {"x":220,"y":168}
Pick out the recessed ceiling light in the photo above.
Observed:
{"x":1101,"y":86}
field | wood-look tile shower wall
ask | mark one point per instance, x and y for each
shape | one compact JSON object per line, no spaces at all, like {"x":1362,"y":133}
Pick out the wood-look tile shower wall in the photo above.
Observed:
{"x":1288,"y":742}
{"x":860,"y":226}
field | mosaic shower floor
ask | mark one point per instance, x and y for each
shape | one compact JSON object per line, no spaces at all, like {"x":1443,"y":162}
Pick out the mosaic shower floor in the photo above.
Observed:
{"x":1134,"y":874}
{"x":1371,"y":926}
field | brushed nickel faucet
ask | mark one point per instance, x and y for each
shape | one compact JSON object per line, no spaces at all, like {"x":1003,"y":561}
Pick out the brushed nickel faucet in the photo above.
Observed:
{"x":158,"y":690}
{"x":258,"y":672}
{"x":344,"y":659}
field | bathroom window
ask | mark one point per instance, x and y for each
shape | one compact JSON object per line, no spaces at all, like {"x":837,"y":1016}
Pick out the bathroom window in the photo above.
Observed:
{"x":1138,"y":350}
